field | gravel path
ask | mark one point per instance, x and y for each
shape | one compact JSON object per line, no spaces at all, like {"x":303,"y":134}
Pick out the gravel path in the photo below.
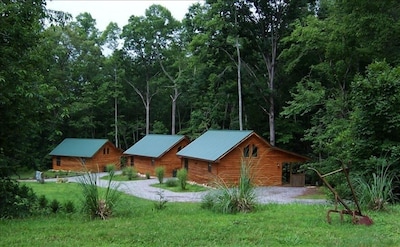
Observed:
{"x":265,"y":195}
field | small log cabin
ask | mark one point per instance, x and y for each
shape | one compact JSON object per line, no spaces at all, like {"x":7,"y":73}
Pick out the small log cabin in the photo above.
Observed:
{"x":156,"y":150}
{"x":218,"y":155}
{"x":75,"y":154}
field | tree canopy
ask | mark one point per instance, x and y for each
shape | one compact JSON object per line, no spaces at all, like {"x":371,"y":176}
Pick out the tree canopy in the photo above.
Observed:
{"x":314,"y":77}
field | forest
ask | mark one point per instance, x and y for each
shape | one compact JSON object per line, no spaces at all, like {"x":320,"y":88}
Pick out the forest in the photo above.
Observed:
{"x":320,"y":78}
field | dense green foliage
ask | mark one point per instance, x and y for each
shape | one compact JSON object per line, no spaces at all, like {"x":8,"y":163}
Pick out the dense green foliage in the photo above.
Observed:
{"x":16,"y":200}
{"x":316,"y":77}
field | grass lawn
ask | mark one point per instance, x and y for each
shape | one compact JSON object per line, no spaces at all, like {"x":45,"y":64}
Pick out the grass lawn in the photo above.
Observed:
{"x":136,"y":223}
{"x":189,"y":187}
{"x":120,"y":177}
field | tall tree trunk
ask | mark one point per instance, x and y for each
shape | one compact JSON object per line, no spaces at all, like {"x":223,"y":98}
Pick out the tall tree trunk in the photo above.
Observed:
{"x":173,"y":111}
{"x":116,"y":111}
{"x":173,"y":97}
{"x":239,"y":82}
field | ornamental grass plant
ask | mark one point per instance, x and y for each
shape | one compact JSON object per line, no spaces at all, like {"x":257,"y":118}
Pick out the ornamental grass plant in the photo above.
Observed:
{"x":229,"y":200}
{"x":98,"y":203}
{"x":377,"y":191}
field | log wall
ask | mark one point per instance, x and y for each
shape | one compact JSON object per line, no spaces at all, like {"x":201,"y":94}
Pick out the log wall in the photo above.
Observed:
{"x":170,"y":161}
{"x":266,"y":166}
{"x":108,"y":154}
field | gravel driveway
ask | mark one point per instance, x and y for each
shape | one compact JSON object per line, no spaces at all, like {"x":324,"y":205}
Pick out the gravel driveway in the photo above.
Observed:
{"x":265,"y":195}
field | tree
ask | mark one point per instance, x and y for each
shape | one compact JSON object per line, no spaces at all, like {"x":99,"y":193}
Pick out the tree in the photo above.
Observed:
{"x":375,"y":117}
{"x":144,"y":39}
{"x":327,"y":51}
{"x":20,"y":84}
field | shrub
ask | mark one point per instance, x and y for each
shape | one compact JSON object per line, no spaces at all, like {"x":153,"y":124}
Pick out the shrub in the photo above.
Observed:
{"x":377,"y":191}
{"x":110,"y":168}
{"x":147,"y":175}
{"x":69,"y":207}
{"x":182,"y":177}
{"x":171,"y":182}
{"x":232,"y":200}
{"x":55,"y":206}
{"x":96,"y":204}
{"x":160,"y":171}
{"x":16,"y":200}
{"x":130,"y":172}
{"x":42,"y":202}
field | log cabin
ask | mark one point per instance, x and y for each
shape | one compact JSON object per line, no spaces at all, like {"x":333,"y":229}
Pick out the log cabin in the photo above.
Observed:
{"x":156,"y":150}
{"x":217,"y":155}
{"x":75,"y":154}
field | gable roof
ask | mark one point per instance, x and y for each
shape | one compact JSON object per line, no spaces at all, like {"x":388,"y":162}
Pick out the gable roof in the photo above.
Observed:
{"x":214,"y":143}
{"x":76,"y":147}
{"x":154,"y":145}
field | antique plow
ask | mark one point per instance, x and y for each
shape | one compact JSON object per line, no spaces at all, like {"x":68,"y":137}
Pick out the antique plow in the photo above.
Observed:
{"x":357,"y":216}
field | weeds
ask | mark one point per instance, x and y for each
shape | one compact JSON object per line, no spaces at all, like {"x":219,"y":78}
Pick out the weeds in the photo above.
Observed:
{"x":161,"y":203}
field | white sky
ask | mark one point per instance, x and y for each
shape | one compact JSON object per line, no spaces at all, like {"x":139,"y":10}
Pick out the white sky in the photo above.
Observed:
{"x":118,"y":11}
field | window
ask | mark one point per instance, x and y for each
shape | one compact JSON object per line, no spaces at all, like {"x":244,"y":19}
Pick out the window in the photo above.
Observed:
{"x":209,"y":166}
{"x":108,"y":150}
{"x":254,"y":151}
{"x":104,"y":150}
{"x":58,"y":161}
{"x":246,"y":151}
{"x":132,"y":161}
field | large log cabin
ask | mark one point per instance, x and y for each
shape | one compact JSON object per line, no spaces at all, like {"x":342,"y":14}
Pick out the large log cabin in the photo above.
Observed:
{"x":76,"y":154}
{"x":156,"y":150}
{"x":217,"y":155}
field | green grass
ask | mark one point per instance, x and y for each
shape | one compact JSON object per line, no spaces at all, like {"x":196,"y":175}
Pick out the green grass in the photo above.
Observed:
{"x":136,"y":223}
{"x":120,"y":177}
{"x":30,"y":174}
{"x":317,"y":193}
{"x":189,"y":187}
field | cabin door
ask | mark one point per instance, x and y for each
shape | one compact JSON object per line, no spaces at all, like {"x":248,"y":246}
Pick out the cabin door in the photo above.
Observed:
{"x":186,"y":164}
{"x":292,"y":175}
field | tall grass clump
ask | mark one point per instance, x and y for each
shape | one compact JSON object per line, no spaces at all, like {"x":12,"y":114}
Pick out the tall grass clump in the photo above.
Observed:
{"x":95,"y":203}
{"x":160,"y":172}
{"x":230,"y":200}
{"x":110,"y":168}
{"x":182,"y":177}
{"x":130,"y":172}
{"x":377,"y":191}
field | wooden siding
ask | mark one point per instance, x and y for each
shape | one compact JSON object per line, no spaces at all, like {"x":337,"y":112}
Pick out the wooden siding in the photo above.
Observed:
{"x":266,"y":167}
{"x":169,"y":160}
{"x":108,"y":154}
{"x":199,"y":173}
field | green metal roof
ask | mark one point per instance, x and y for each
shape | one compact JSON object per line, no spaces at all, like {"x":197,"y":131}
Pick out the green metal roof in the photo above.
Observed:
{"x":213,"y":144}
{"x":154,"y":145}
{"x":75,"y":147}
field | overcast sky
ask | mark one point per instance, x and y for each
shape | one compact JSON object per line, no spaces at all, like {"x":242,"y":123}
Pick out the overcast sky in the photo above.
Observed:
{"x":118,"y":11}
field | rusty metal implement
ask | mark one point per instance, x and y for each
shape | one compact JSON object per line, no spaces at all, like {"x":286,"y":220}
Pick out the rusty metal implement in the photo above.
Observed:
{"x":357,"y":216}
